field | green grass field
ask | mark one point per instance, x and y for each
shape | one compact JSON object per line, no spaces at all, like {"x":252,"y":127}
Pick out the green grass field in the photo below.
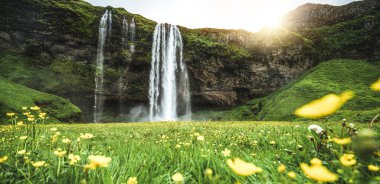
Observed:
{"x":154,"y":152}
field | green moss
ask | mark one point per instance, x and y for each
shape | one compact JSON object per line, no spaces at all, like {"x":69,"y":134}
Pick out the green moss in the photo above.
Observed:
{"x":14,"y":96}
{"x":197,"y":45}
{"x":333,"y":76}
{"x":59,"y":77}
{"x":350,"y":39}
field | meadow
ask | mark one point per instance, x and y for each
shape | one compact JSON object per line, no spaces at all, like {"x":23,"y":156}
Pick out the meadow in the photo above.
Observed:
{"x":32,"y":151}
{"x":188,"y":152}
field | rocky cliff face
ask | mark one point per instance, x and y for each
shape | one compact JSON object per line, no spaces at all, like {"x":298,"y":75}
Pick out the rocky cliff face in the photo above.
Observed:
{"x":315,"y":15}
{"x":58,"y":39}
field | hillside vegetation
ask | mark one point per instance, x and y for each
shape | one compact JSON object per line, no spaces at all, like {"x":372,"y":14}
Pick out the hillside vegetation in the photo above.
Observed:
{"x":15,"y":96}
{"x":333,"y":76}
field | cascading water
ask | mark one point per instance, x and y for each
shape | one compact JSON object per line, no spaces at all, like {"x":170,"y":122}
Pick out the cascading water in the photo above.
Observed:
{"x":109,"y":22}
{"x":124,"y":38}
{"x":99,"y":73}
{"x":121,"y":83}
{"x":168,"y":97}
{"x":133,"y":35}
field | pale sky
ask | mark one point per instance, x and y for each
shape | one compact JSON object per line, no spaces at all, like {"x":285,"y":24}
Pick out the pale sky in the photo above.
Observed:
{"x":250,"y":15}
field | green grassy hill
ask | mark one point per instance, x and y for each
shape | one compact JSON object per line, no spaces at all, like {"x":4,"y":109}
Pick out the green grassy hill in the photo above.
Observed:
{"x":14,"y":96}
{"x":333,"y":76}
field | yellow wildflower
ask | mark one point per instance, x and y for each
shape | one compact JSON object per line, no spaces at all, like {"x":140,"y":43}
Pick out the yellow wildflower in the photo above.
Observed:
{"x":281,"y":168}
{"x":38,"y":164}
{"x":318,"y":172}
{"x":242,"y":168}
{"x":30,"y":119}
{"x":226,"y":152}
{"x":201,"y":138}
{"x":36,"y":108}
{"x":316,"y":161}
{"x":10,"y":114}
{"x":178,"y":178}
{"x":20,"y":123}
{"x":208,"y":172}
{"x":24,"y":108}
{"x":372,"y":168}
{"x":292,"y":175}
{"x":59,"y":152}
{"x":132,"y":180}
{"x":377,"y":153}
{"x":342,"y":141}
{"x":324,"y":106}
{"x":97,"y":161}
{"x":21,"y":152}
{"x":53,"y":129}
{"x":3,"y":159}
{"x":348,"y":160}
{"x":272,"y":142}
{"x":66,"y":141}
{"x":376,"y":85}
{"x":86,"y":136}
{"x":73,"y":159}
{"x":23,"y":137}
{"x":42,"y":115}
{"x":54,"y":138}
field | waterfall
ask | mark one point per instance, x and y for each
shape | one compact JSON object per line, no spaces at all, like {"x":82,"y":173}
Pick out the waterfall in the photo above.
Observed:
{"x":168,"y":97}
{"x":124,"y":38}
{"x":109,"y":22}
{"x":99,"y":73}
{"x":133,"y":35}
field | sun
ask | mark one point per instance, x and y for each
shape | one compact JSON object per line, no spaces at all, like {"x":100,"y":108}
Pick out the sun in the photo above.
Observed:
{"x":267,"y":14}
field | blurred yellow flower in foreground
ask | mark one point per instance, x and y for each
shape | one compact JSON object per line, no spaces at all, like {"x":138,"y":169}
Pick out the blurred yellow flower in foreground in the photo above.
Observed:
{"x":318,"y":172}
{"x":281,"y":168}
{"x":53,"y":129}
{"x":3,"y":159}
{"x":86,"y":136}
{"x":201,"y":138}
{"x":373,"y":168}
{"x":348,"y":160}
{"x":38,"y":164}
{"x":292,"y":175}
{"x":243,"y":168}
{"x":10,"y":114}
{"x":376,"y":85}
{"x":324,"y":106}
{"x":66,"y":141}
{"x":208,"y":172}
{"x":316,"y":161}
{"x":178,"y":178}
{"x":97,"y":161}
{"x":132,"y":180}
{"x":342,"y":141}
{"x":21,"y":152}
{"x":23,"y":137}
{"x":36,"y":108}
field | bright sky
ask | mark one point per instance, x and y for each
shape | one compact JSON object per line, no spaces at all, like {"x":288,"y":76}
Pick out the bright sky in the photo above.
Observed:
{"x":251,"y":15}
